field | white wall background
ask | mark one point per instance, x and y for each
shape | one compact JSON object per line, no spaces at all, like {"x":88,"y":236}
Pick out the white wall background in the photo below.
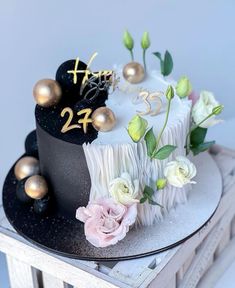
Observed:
{"x":36,"y":36}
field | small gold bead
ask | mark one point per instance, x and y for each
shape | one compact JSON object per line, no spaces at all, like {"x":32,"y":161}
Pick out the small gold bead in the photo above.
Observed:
{"x":36,"y":187}
{"x":133,"y":72}
{"x":25,"y":167}
{"x":103,"y":119}
{"x":47,"y":92}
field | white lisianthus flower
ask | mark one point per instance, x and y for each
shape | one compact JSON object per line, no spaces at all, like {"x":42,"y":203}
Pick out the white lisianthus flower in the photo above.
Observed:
{"x":203,"y":108}
{"x":124,"y":190}
{"x":180,"y":172}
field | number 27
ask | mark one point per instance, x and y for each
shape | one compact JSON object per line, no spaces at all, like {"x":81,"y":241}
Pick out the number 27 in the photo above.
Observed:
{"x":84,"y":121}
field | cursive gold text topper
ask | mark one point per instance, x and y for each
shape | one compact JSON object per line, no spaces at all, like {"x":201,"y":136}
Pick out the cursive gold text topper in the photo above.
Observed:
{"x":87,"y":72}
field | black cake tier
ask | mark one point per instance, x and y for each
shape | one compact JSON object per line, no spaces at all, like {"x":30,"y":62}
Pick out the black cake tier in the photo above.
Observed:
{"x":62,"y":159}
{"x":64,"y":166}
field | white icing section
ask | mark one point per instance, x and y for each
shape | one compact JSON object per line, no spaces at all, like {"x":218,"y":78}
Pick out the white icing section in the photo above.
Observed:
{"x":122,"y":105}
{"x":113,"y":153}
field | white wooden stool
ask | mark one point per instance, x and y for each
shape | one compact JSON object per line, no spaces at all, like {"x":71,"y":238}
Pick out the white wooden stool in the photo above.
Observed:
{"x":185,"y":266}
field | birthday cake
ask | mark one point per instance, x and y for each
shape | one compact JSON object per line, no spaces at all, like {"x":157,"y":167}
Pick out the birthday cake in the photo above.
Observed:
{"x":112,"y":147}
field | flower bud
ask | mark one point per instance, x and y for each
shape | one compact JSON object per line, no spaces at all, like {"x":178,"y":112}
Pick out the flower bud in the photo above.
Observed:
{"x":145,"y":41}
{"x":183,"y":87}
{"x":128,"y":40}
{"x":170,"y":93}
{"x":161,"y":183}
{"x":218,"y":109}
{"x":137,"y":128}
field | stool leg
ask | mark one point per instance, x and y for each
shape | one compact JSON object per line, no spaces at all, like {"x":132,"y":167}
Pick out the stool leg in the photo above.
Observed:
{"x":50,"y":281}
{"x":21,"y":274}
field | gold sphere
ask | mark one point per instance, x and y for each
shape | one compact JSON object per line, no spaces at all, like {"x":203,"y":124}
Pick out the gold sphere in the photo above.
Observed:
{"x":103,"y":119}
{"x":26,"y":166}
{"x":47,"y":92}
{"x":133,"y":72}
{"x":36,"y":187}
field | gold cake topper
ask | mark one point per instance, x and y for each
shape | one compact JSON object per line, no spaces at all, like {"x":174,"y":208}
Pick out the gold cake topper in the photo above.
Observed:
{"x":87,"y":72}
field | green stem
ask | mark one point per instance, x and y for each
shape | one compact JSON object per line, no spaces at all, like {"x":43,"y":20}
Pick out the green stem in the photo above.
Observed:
{"x":164,"y":126}
{"x":144,"y":59}
{"x":132,"y":55}
{"x":187,"y":144}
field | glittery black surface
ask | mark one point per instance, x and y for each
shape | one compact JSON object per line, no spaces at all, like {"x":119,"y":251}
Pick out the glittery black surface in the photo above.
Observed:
{"x":42,"y":206}
{"x":31,"y":146}
{"x":51,"y":121}
{"x":64,"y":236}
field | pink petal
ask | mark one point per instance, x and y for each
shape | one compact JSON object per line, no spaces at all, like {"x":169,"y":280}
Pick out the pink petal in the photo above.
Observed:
{"x":193,"y":96}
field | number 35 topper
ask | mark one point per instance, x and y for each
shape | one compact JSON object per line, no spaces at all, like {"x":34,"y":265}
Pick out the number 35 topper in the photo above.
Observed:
{"x":149,"y":98}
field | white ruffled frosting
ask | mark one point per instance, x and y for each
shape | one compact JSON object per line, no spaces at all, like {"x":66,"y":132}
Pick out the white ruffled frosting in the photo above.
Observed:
{"x":114,"y":153}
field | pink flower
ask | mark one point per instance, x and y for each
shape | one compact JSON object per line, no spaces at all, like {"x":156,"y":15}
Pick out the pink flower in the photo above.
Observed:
{"x":193,"y":96}
{"x":106,"y":222}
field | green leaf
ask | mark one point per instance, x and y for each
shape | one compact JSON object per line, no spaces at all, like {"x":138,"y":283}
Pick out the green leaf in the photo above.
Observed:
{"x":158,"y":55}
{"x":152,"y":202}
{"x":168,"y":64}
{"x":164,"y":152}
{"x":202,"y":147}
{"x":143,"y":199}
{"x":150,"y":141}
{"x":198,"y":136}
{"x":148,"y":192}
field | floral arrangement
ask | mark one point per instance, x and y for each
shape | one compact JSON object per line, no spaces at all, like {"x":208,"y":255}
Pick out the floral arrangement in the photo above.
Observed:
{"x":107,"y":220}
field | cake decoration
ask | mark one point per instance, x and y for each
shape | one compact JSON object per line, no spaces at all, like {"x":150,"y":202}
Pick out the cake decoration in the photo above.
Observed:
{"x":180,"y":172}
{"x":128,"y":41}
{"x":133,"y":175}
{"x":166,"y":64}
{"x":103,"y":119}
{"x":36,"y":187}
{"x":26,"y":166}
{"x":148,"y":195}
{"x":149,"y":99}
{"x":124,"y":190}
{"x":47,"y":92}
{"x":133,"y":72}
{"x":145,"y":44}
{"x":84,"y":121}
{"x":204,"y":113}
{"x":137,"y":128}
{"x":106,"y":221}
{"x":70,"y":90}
{"x":87,"y":74}
{"x":183,"y":87}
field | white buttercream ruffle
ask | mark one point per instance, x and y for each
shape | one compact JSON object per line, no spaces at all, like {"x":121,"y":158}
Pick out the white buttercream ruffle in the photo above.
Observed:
{"x":107,"y":162}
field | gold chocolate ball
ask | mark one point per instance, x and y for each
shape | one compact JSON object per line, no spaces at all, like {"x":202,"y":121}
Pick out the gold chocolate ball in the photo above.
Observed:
{"x":26,"y":166}
{"x":133,"y":72}
{"x":47,"y":92}
{"x":103,"y":119}
{"x":36,"y":187}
